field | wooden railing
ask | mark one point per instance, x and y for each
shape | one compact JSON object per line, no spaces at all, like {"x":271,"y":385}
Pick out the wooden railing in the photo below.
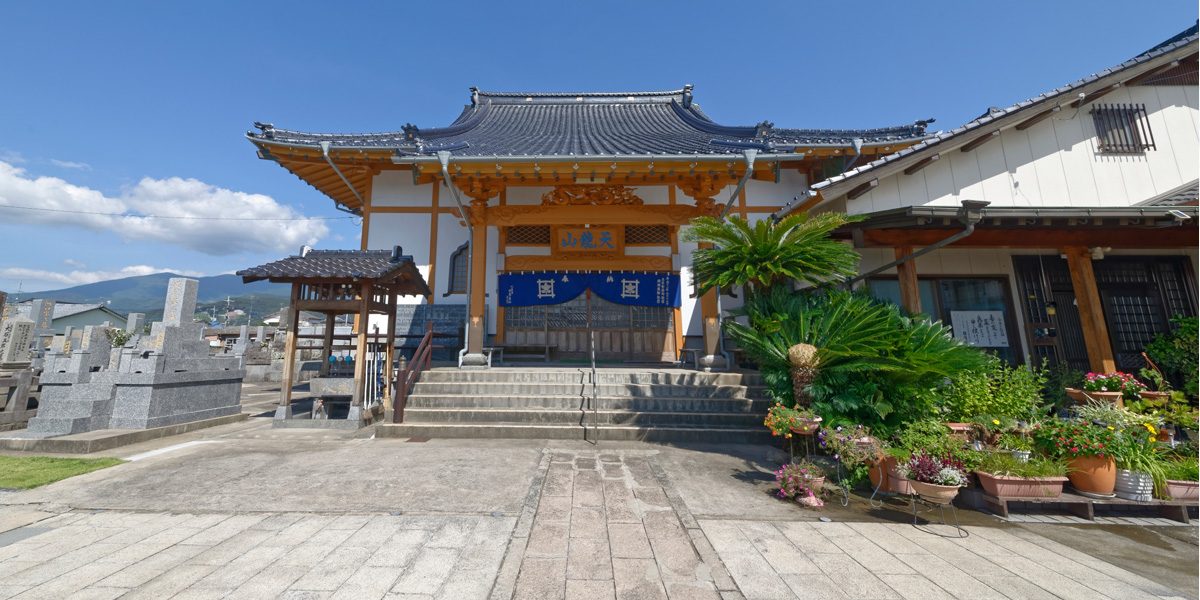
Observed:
{"x":407,"y":376}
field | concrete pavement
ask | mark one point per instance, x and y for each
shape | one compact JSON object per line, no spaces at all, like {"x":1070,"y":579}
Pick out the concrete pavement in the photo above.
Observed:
{"x":256,"y":512}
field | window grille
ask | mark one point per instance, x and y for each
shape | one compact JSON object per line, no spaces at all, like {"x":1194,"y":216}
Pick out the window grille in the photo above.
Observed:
{"x":458,"y":271}
{"x":1122,"y":128}
{"x":647,"y":235}
{"x":528,"y":235}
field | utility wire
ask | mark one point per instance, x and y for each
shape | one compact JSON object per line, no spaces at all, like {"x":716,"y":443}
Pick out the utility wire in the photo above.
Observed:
{"x":84,"y":212}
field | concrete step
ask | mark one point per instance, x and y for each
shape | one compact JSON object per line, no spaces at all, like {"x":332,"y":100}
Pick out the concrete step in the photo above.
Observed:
{"x":542,"y":416}
{"x":750,"y":435}
{"x":577,"y":389}
{"x":630,"y":403}
{"x":583,"y":375}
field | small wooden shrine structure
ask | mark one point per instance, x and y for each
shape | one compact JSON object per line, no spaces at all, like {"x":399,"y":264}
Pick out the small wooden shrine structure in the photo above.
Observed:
{"x":339,"y":282}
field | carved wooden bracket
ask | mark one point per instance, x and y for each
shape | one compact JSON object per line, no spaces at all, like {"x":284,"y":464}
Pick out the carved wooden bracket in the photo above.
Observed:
{"x":606,"y":195}
{"x":703,"y":189}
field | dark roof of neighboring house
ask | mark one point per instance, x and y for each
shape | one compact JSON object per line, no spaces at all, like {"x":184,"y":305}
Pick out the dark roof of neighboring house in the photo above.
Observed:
{"x":1003,"y":117}
{"x":65,"y":309}
{"x":506,"y":124}
{"x":1185,"y":195}
{"x":383,"y":266}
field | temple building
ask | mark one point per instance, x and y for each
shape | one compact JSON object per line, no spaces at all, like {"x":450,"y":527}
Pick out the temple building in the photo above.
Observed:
{"x":573,"y":206}
{"x":1063,"y":227}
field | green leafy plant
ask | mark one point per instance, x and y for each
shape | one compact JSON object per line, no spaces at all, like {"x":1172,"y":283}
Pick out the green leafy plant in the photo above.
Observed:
{"x":1003,"y":464}
{"x":1015,"y":441}
{"x":1115,"y":416}
{"x":1136,"y":449}
{"x":1182,"y":470}
{"x":1155,"y":377}
{"x":117,"y":338}
{"x":934,"y":469}
{"x":933,"y":438}
{"x":1074,"y":439}
{"x":1177,"y":352}
{"x":1058,"y":379}
{"x":763,"y":254}
{"x":996,"y":389}
{"x":1171,"y":410}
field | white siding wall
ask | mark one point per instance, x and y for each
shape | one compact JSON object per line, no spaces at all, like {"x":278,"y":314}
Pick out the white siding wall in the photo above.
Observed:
{"x":1056,"y":162}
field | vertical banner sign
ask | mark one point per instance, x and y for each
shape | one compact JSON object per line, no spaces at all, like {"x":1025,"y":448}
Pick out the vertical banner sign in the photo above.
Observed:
{"x":981,"y":328}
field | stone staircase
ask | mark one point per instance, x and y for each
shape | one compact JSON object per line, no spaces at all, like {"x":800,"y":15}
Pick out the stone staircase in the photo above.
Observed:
{"x":657,"y":405}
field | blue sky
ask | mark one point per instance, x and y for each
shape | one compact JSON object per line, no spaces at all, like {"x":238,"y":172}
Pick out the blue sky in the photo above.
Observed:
{"x":140,"y":108}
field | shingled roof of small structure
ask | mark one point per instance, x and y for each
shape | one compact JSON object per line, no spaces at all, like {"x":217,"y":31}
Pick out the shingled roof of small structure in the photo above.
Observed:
{"x":379,"y":265}
{"x":505,"y":124}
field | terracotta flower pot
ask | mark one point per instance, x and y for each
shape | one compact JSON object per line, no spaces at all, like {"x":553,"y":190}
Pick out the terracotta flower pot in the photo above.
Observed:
{"x":958,"y":427}
{"x":1183,"y":490}
{"x":1134,"y":485}
{"x":1021,"y":487}
{"x":1155,"y":395}
{"x":1083,"y":396}
{"x":807,"y":426}
{"x":933,"y":492}
{"x":877,"y":473}
{"x":896,"y":484}
{"x":1093,"y":475}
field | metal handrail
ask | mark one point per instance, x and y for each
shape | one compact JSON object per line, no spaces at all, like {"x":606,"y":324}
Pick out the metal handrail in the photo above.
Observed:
{"x":595,"y":413}
{"x":407,"y":376}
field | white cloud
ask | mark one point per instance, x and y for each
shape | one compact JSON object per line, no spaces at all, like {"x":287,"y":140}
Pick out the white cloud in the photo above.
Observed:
{"x":75,"y":278}
{"x":66,"y":164}
{"x":11,"y":157}
{"x":173,"y":197}
{"x":74,"y":263}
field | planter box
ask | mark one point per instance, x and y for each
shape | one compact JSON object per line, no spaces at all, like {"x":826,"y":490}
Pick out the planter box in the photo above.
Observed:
{"x":1021,"y":487}
{"x":1083,"y":396}
{"x":1183,"y":490}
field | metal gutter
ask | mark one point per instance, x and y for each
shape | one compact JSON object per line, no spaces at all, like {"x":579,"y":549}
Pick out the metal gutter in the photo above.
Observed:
{"x":444,"y":159}
{"x":336,"y":204}
{"x":749,"y":154}
{"x":970,"y":214}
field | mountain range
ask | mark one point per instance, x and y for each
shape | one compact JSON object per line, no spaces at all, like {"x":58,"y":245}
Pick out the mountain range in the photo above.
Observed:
{"x":146,"y":293}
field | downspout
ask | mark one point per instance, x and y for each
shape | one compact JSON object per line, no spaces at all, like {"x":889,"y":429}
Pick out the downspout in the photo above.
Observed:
{"x":857,"y":145}
{"x":325,"y":153}
{"x":970,"y":214}
{"x":444,"y":158}
{"x":750,"y":155}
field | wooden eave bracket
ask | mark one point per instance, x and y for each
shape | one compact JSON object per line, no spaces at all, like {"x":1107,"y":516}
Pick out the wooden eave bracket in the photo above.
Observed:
{"x":1038,"y":118}
{"x":979,"y":141}
{"x":861,"y":189}
{"x":921,"y":164}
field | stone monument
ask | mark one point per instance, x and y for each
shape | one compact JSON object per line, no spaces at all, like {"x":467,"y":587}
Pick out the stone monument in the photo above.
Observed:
{"x":162,"y":379}
{"x":17,"y":380}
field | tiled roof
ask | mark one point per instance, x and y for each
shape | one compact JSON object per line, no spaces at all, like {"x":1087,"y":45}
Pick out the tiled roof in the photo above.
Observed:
{"x":607,"y":124}
{"x":962,"y":134}
{"x":1186,"y":194}
{"x":62,"y":309}
{"x":341,"y":264}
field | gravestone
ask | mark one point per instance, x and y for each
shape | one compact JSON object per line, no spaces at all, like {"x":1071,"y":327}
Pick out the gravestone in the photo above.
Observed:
{"x":166,"y":378}
{"x":16,"y":334}
{"x":3,"y":306}
{"x":42,"y":313}
{"x":135,"y":323}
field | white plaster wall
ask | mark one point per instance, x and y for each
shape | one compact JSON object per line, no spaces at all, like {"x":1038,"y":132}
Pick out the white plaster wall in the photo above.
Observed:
{"x":689,"y":310}
{"x":411,"y":232}
{"x":1057,"y":162}
{"x":769,"y":193}
{"x":395,"y":188}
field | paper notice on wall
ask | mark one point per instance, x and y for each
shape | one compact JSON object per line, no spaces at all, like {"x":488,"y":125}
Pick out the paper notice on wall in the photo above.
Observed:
{"x":981,"y":328}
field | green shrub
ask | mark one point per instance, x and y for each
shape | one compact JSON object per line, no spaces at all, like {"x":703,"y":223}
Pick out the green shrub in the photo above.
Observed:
{"x":996,"y":389}
{"x":1182,"y":470}
{"x":934,"y":439}
{"x":1058,"y":379}
{"x":1178,"y":352}
{"x":1003,"y":464}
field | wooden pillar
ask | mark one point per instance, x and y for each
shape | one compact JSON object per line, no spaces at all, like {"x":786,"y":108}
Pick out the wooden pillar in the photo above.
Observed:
{"x":477,"y":306}
{"x":910,"y":292}
{"x":1091,"y":311}
{"x":390,"y":352}
{"x":360,"y":352}
{"x":289,"y":353}
{"x":330,"y":322}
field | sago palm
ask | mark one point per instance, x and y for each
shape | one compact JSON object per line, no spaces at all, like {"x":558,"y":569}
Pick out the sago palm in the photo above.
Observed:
{"x":764,"y":254}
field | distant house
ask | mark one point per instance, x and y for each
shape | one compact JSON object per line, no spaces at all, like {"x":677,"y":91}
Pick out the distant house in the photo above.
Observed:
{"x":307,"y":319}
{"x":71,"y":314}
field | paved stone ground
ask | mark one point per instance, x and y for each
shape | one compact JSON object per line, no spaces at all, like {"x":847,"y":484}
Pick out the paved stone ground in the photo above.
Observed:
{"x":262,"y":513}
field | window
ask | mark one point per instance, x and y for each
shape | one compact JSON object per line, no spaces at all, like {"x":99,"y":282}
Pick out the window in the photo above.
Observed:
{"x":458,"y":271}
{"x":527,"y":235}
{"x":1122,"y":128}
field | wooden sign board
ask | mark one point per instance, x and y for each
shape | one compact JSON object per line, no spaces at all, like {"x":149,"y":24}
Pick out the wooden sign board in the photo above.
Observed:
{"x":592,"y":241}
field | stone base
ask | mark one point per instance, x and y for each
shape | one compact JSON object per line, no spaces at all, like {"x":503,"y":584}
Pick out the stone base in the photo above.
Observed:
{"x":283,"y":412}
{"x":475,"y":361}
{"x":105,"y":439}
{"x":714,"y":362}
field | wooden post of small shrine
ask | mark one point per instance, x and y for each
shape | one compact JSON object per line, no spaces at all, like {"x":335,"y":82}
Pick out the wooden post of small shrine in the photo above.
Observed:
{"x":390,"y":352}
{"x":330,"y":324}
{"x":360,"y":352}
{"x":284,"y":410}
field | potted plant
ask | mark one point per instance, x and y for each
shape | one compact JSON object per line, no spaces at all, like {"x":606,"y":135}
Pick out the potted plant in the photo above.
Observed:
{"x":784,"y":420}
{"x":856,"y":449}
{"x":1140,"y":468}
{"x":1183,"y":479}
{"x":1110,"y":387}
{"x":1005,"y":476}
{"x":800,"y":481}
{"x":934,"y":479}
{"x":1086,"y":448}
{"x":1018,"y":446}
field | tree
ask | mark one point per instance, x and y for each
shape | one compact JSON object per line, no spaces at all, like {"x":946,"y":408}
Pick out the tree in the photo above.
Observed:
{"x":765,"y":254}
